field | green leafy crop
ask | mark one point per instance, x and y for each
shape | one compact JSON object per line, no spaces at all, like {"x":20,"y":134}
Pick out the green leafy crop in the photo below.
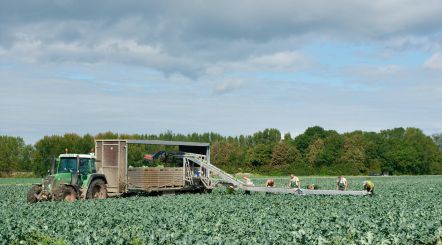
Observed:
{"x":405,"y":210}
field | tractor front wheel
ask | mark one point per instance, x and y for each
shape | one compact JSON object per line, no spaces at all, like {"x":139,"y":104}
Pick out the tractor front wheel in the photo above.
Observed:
{"x":66,"y":193}
{"x":33,"y":193}
{"x":97,"y":190}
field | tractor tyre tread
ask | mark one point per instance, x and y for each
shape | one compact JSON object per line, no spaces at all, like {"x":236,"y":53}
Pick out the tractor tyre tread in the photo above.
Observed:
{"x":35,"y":190}
{"x":97,"y":184}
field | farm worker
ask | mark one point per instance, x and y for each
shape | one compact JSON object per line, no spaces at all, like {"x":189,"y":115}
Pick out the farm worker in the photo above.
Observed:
{"x":248,"y":181}
{"x":312,"y":187}
{"x":294,"y":182}
{"x":270,"y":183}
{"x":342,"y":183}
{"x":369,"y":186}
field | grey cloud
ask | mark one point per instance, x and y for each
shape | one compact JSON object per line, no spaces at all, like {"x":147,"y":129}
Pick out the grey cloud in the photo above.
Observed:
{"x":40,"y":104}
{"x":434,"y":62}
{"x":197,"y":29}
{"x":183,"y":54}
{"x":229,"y":85}
{"x":429,"y":43}
{"x":184,"y":47}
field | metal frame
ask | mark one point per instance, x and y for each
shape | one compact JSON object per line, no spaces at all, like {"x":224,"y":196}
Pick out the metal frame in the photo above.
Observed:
{"x":165,"y":142}
{"x":127,"y":142}
{"x":112,"y":143}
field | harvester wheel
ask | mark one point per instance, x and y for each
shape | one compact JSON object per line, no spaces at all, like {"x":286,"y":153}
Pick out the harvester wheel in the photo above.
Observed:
{"x":97,"y":190}
{"x":35,"y":190}
{"x":66,"y":193}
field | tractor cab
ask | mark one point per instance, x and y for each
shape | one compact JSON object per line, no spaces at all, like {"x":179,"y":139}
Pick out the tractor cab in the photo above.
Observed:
{"x":75,"y":168}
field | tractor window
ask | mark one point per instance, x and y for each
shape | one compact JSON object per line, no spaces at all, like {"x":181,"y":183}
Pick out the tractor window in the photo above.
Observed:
{"x":92,"y":165}
{"x":84,"y":165}
{"x":67,"y":164}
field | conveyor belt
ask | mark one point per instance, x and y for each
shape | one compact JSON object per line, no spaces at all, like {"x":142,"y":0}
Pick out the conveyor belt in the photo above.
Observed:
{"x":241,"y":185}
{"x":304,"y":191}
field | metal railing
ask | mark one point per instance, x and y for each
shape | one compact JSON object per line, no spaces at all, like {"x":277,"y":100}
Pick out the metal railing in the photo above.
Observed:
{"x":188,"y":174}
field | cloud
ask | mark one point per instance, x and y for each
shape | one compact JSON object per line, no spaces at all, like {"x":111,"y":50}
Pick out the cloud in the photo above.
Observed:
{"x":187,"y":37}
{"x":413,"y":41}
{"x":434,"y":62}
{"x":313,"y":62}
{"x":373,"y":71}
{"x":228,"y":85}
{"x":281,"y":61}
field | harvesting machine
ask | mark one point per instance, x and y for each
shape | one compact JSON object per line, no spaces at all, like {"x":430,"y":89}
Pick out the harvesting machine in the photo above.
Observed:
{"x":108,"y":173}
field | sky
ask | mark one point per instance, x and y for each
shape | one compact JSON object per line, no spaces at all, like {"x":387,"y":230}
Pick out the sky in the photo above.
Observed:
{"x":231,"y":67}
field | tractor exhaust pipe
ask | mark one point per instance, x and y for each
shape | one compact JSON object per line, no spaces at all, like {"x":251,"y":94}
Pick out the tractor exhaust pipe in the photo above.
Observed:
{"x":53,"y":164}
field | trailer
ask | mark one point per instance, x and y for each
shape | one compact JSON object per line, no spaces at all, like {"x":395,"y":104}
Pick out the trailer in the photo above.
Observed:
{"x":112,"y":161}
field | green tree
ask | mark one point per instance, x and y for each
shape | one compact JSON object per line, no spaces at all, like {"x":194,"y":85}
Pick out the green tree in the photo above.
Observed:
{"x":354,"y":156}
{"x":26,"y":162}
{"x":310,"y":135}
{"x":409,"y":151}
{"x":269,"y":136}
{"x":259,"y":155}
{"x":228,"y":156}
{"x":375,"y":151}
{"x":437,"y":138}
{"x":285,"y":154}
{"x":333,"y":147}
{"x":12,"y":154}
{"x":426,"y":151}
{"x":288,"y":137}
{"x":314,"y":151}
{"x":54,"y":145}
{"x":107,"y":136}
{"x":287,"y":159}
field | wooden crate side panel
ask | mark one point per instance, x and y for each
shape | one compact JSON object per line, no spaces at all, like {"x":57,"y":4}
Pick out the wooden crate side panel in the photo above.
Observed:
{"x":155,"y":178}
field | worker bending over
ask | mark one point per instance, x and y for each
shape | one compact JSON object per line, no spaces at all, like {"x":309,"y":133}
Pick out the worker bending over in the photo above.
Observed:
{"x":248,"y":181}
{"x":369,"y":186}
{"x":342,"y":183}
{"x":270,"y":183}
{"x":294,"y":182}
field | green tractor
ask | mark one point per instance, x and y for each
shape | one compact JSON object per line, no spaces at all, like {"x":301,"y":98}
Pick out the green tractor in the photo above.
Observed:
{"x":73,"y":177}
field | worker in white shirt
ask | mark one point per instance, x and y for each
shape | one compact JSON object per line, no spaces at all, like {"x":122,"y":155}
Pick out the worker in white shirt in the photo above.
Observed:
{"x":294,"y":182}
{"x":342,"y":183}
{"x":248,"y":181}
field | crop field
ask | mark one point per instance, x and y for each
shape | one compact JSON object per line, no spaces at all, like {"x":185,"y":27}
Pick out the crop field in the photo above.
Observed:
{"x":18,"y":181}
{"x":404,"y":210}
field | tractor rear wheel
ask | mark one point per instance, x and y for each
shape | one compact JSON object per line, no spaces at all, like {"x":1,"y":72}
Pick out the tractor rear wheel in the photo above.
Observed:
{"x":97,"y":190}
{"x":33,"y":192}
{"x":65,"y":193}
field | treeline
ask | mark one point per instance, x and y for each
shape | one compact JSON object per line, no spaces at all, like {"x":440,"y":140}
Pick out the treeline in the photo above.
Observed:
{"x":315,"y":152}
